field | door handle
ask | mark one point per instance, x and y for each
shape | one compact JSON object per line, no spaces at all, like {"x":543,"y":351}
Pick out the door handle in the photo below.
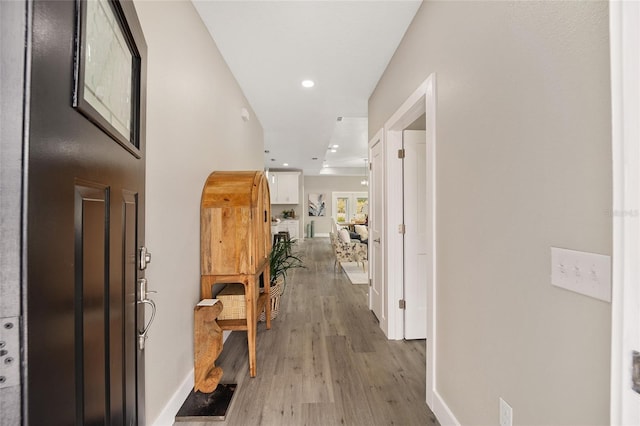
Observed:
{"x":142,"y":336}
{"x":144,"y":300}
{"x":144,"y":292}
{"x":376,"y":240}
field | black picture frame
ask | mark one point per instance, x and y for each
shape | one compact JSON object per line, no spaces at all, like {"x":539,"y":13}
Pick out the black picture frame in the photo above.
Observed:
{"x":131,"y":141}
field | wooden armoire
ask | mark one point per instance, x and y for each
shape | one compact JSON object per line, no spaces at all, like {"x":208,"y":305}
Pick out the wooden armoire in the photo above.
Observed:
{"x":235,"y":244}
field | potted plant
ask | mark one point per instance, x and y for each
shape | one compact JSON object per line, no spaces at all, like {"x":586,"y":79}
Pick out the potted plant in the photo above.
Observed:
{"x":282,"y":258}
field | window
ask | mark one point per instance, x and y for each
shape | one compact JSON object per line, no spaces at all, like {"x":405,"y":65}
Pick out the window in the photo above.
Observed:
{"x":350,"y":207}
{"x":107,"y":72}
{"x":342,"y":209}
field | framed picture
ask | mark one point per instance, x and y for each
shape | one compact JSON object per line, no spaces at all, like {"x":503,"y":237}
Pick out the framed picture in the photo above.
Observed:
{"x":107,"y":72}
{"x":317,"y":204}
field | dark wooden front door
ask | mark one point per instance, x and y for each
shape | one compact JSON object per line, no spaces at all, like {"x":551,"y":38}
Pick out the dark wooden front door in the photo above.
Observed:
{"x":85,"y":225}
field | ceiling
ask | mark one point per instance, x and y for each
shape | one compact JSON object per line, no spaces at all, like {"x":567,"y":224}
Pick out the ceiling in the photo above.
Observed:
{"x":343,"y":46}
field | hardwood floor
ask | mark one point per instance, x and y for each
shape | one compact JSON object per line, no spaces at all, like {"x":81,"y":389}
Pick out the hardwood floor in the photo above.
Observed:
{"x":325,"y":361}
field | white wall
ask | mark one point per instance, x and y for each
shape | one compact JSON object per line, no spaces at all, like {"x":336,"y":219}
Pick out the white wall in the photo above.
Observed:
{"x":193,"y":128}
{"x":523,"y":164}
{"x":327,"y":185}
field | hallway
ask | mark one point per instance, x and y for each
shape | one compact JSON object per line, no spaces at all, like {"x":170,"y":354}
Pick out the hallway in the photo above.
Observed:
{"x":325,"y":361}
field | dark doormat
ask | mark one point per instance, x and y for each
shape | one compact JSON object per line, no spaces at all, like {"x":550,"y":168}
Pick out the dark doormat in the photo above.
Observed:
{"x":207,"y":406}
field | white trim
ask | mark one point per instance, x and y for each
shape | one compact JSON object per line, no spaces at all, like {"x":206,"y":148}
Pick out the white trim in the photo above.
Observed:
{"x":430,"y":106}
{"x":442,"y":412}
{"x":321,"y":235}
{"x":617,"y":274}
{"x":422,"y":101}
{"x":168,"y":414}
{"x":624,"y":27}
{"x":409,"y":111}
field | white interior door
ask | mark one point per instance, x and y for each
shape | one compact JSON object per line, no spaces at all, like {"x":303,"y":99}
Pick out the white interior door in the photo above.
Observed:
{"x":376,"y":204}
{"x":415,"y":241}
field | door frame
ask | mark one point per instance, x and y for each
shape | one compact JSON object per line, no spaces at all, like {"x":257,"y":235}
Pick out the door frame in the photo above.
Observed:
{"x":14,"y":109}
{"x":378,"y":138}
{"x":624,"y":27}
{"x":421,"y":101}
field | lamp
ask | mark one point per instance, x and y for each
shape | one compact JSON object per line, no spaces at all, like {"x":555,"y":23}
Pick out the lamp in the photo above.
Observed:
{"x":364,"y":180}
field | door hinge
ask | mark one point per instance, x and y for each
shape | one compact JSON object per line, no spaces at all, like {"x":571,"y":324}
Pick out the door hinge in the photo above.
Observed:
{"x":402,"y":304}
{"x":370,"y":166}
{"x":370,"y":283}
{"x":401,"y":153}
{"x":401,"y":228}
{"x":635,"y":371}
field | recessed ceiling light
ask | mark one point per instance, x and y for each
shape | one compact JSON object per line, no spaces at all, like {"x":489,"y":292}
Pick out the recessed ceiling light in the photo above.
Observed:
{"x":334,"y":150}
{"x":266,"y":151}
{"x":314,"y":158}
{"x":325,"y":165}
{"x":336,"y":146}
{"x":308,"y":83}
{"x":285,"y":164}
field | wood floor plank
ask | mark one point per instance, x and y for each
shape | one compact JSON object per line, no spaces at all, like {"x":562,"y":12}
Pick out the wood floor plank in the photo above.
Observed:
{"x":348,"y":386}
{"x":317,"y":414}
{"x":325,"y":360}
{"x":316,"y":372}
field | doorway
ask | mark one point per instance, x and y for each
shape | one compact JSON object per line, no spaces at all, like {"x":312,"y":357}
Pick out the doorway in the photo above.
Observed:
{"x":421,"y":102}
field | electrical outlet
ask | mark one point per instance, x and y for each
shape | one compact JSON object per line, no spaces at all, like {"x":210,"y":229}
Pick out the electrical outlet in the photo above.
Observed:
{"x":506,"y":414}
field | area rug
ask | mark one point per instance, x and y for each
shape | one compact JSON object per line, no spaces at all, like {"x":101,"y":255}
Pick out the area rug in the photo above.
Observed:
{"x":355,"y":272}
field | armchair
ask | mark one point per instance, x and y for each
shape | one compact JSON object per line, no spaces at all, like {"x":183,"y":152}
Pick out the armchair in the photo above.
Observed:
{"x":353,"y":251}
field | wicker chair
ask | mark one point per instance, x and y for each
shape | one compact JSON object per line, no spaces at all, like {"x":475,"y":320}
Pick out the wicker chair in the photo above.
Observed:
{"x":353,"y":251}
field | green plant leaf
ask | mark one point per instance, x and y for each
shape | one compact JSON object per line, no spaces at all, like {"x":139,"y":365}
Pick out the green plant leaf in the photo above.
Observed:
{"x":283,"y":258}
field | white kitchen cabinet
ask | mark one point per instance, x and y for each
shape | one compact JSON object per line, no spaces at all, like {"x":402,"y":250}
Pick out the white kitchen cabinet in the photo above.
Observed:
{"x":284,"y":187}
{"x":290,"y":225}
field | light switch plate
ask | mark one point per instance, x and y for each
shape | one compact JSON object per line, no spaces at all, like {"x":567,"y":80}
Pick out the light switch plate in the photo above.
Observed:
{"x":582,"y":272}
{"x":506,"y":413}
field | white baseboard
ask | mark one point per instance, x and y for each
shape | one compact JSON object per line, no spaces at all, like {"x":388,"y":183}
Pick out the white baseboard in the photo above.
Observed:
{"x":321,"y":235}
{"x":442,"y":411}
{"x":168,"y":414}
